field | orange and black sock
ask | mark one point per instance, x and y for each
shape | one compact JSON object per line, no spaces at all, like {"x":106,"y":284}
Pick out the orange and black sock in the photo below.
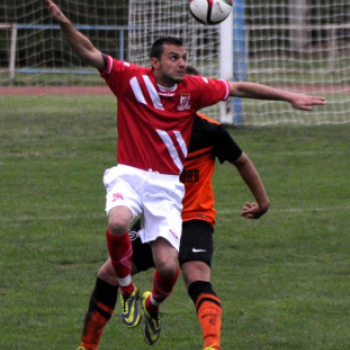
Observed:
{"x":209,"y":311}
{"x":102,"y":303}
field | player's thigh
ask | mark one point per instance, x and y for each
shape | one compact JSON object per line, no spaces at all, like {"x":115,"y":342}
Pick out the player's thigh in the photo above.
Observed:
{"x":196,"y":251}
{"x":123,"y":203}
{"x":196,"y":242}
{"x":162,"y":211}
{"x":165,"y":257}
{"x":142,"y":257}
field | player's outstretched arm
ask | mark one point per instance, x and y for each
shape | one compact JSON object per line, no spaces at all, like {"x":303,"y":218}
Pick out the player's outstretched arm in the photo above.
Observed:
{"x":259,"y":91}
{"x":78,"y":42}
{"x":251,"y":177}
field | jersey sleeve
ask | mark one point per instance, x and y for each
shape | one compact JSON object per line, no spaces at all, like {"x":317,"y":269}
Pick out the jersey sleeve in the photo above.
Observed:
{"x":225,"y":147}
{"x":209,"y":91}
{"x":117,"y":73}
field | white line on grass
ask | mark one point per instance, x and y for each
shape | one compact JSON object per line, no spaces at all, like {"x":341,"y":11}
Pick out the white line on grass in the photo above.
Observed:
{"x":219,"y":211}
{"x":294,"y":210}
{"x":302,"y":153}
{"x":27,"y":218}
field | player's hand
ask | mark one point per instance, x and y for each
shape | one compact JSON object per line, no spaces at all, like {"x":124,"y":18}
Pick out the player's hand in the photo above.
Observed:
{"x":55,"y":11}
{"x":305,"y":102}
{"x":253,"y":211}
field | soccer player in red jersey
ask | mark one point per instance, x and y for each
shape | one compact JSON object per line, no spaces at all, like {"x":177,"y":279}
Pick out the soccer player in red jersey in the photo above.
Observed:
{"x":156,"y":108}
{"x":209,"y":140}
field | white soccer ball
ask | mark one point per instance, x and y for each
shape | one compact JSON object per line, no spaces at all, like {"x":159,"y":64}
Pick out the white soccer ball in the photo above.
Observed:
{"x":210,"y":11}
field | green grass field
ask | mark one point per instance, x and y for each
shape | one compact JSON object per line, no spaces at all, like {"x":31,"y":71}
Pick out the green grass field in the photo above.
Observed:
{"x":283,"y":280}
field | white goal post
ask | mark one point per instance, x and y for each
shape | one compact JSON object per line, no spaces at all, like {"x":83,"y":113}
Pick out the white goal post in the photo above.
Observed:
{"x":12,"y":27}
{"x":296,"y":45}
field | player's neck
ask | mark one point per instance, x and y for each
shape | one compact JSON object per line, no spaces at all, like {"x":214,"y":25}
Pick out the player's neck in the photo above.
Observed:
{"x":166,"y":88}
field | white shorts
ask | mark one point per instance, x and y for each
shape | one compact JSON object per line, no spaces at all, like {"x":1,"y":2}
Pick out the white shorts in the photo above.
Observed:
{"x":157,"y":197}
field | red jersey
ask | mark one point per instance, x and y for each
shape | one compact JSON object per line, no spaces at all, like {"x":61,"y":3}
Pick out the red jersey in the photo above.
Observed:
{"x":154,"y":125}
{"x":209,"y":140}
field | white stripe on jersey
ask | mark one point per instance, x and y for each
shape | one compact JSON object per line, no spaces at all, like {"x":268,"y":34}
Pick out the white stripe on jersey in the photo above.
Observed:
{"x":171,"y":147}
{"x":136,"y":88}
{"x":227,"y":89}
{"x":181,"y":142}
{"x":157,"y":104}
{"x":153,"y":92}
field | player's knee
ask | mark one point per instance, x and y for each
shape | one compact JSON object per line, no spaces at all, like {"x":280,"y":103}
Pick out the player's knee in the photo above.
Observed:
{"x":165,"y":258}
{"x":117,"y":228}
{"x":193,"y":271}
{"x":168,"y":269}
{"x":119,"y":221}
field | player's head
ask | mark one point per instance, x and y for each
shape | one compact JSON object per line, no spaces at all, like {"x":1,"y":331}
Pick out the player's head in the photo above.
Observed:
{"x":192,"y":71}
{"x":158,"y":46}
{"x":169,"y":60}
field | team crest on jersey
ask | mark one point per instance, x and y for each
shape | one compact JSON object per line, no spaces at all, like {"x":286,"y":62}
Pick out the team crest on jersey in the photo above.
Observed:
{"x":184,"y":102}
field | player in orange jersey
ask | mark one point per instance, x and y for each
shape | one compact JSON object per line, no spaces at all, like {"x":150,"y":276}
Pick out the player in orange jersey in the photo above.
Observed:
{"x":209,"y":140}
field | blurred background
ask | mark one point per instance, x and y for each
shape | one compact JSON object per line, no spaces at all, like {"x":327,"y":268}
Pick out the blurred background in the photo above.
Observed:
{"x":300,"y":45}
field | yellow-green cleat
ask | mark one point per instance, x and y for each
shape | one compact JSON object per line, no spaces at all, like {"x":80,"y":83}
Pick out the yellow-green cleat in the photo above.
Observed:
{"x":130,"y":313}
{"x":213,"y":347}
{"x":151,"y":328}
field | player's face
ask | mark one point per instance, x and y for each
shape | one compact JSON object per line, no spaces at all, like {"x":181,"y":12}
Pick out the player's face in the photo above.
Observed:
{"x":171,"y":68}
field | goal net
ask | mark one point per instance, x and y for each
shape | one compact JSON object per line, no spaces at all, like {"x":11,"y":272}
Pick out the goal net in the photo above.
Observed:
{"x":302,"y":46}
{"x":296,"y":45}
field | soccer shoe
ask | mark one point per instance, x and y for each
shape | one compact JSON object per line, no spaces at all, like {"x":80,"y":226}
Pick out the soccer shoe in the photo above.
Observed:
{"x":213,"y":347}
{"x":82,"y":348}
{"x":130,"y":313}
{"x":151,"y":328}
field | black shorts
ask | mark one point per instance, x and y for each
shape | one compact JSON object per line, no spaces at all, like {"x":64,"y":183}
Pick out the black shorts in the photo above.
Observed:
{"x":196,"y":242}
{"x":142,"y":252}
{"x":196,"y":245}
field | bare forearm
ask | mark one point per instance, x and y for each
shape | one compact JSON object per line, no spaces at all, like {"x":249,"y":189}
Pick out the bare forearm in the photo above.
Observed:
{"x":80,"y":44}
{"x":255,"y":90}
{"x":251,"y":177}
{"x":263,"y":92}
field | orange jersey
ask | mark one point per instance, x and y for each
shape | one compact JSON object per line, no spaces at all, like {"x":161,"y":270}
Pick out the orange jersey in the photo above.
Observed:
{"x":209,"y":140}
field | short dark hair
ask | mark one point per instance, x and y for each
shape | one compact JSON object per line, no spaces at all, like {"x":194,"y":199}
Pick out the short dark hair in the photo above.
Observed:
{"x":157,"y":47}
{"x":192,"y":71}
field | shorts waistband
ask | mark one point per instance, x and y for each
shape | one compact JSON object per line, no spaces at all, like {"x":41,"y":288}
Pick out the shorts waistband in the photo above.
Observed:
{"x":148,"y":172}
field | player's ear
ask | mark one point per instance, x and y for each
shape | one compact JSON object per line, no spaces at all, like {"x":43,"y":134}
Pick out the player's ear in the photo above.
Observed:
{"x":155,"y":63}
